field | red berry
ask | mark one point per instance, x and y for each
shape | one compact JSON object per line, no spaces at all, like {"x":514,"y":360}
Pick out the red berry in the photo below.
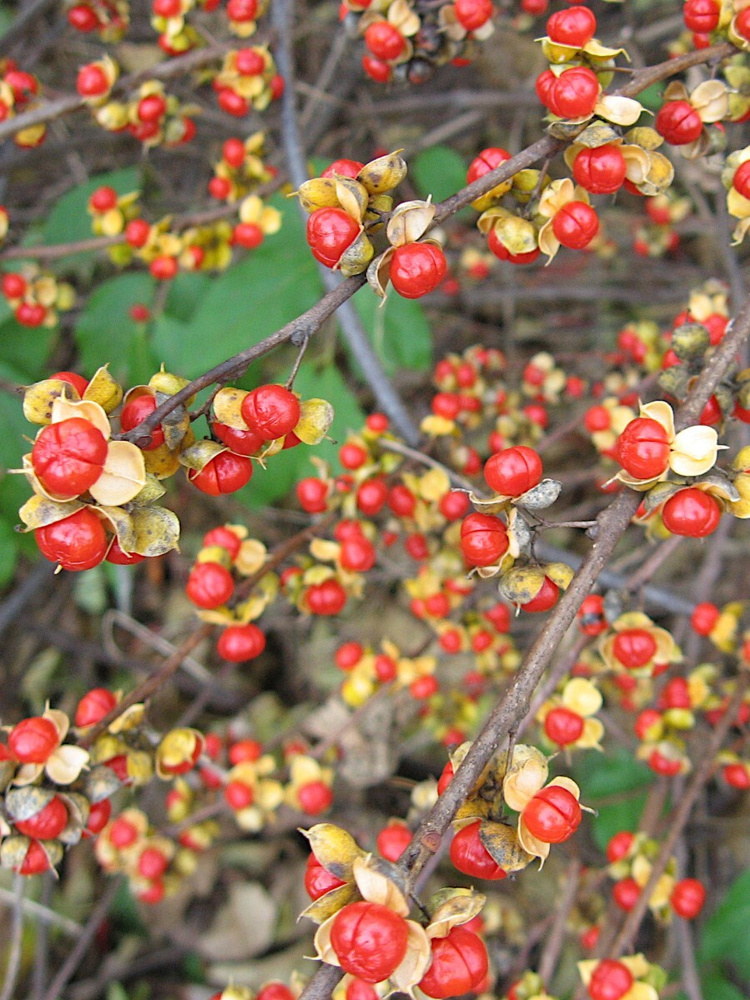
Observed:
{"x":330,"y":231}
{"x":103,"y":199}
{"x":619,"y":845}
{"x":242,"y":10}
{"x":486,"y":161}
{"x":326,"y":598}
{"x":642,"y":448}
{"x":94,"y":705}
{"x":610,"y":980}
{"x":163,"y":268}
{"x":151,"y":108}
{"x":472,"y":14}
{"x":82,"y":18}
{"x":36,"y":860}
{"x":209,"y":585}
{"x":417,"y":268}
{"x":470,"y":856}
{"x":137,"y":232}
{"x":704,"y":617}
{"x":312,"y":494}
{"x":591,"y":618}
{"x":239,"y":643}
{"x":32,"y":740}
{"x":737,"y":775}
{"x":357,"y":554}
{"x":99,"y":815}
{"x":371,"y":496}
{"x":152,"y":863}
{"x":77,"y":542}
{"x":385,"y":668}
{"x":574,"y":93}
{"x":688,"y":897}
{"x":678,"y":123}
{"x":352,"y":456}
{"x":691,"y":512}
{"x":68,"y":457}
{"x":701,"y":16}
{"x":232,"y":102}
{"x":271,"y":411}
{"x":348,"y":655}
{"x":247,"y":235}
{"x":393,"y":840}
{"x":13,"y":285}
{"x":47,"y":824}
{"x":344,"y":168}
{"x":384,"y":40}
{"x":552,"y":815}
{"x":239,"y":795}
{"x":574,"y":26}
{"x":377,"y":69}
{"x":246,"y":749}
{"x":625,"y":893}
{"x":513,"y":471}
{"x":369,"y":940}
{"x":459,"y":965}
{"x":92,"y":81}
{"x":741,"y":181}
{"x":318,"y":880}
{"x":315,"y":797}
{"x":275,"y":991}
{"x":423,"y":688}
{"x":575,"y":225}
{"x":135,"y":412}
{"x":634,"y":647}
{"x":545,"y":599}
{"x":563,"y":726}
{"x":454,"y":505}
{"x":600,"y":170}
{"x":484,"y":539}
{"x":226,"y":473}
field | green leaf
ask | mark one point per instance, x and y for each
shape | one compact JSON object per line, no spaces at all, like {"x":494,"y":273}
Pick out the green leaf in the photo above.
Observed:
{"x":399,"y":331}
{"x":167,"y":340}
{"x":105,"y":331}
{"x":23,"y":352}
{"x":8,"y":551}
{"x":725,"y":933}
{"x":621,"y":782}
{"x":252,"y":299}
{"x":717,"y":987}
{"x":186,"y":292}
{"x":438,"y":171}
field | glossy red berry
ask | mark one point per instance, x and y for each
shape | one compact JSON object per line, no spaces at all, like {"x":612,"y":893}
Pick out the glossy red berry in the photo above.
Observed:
{"x":678,"y":123}
{"x":563,"y":726}
{"x":348,"y":655}
{"x":312,"y":494}
{"x":513,"y":471}
{"x":574,"y":93}
{"x":545,"y":599}
{"x":209,"y":585}
{"x":36,"y":860}
{"x":239,"y":441}
{"x":486,"y":161}
{"x":688,"y":897}
{"x":417,"y":268}
{"x":103,"y":199}
{"x":247,"y":235}
{"x":600,"y":170}
{"x":136,"y":411}
{"x":459,"y":965}
{"x":377,"y":69}
{"x":92,"y":81}
{"x":470,"y":856}
{"x":118,"y":557}
{"x":625,"y":893}
{"x":741,"y":180}
{"x":68,"y":457}
{"x":242,"y":10}
{"x":82,"y":18}
{"x":163,"y":268}
{"x":239,"y":643}
{"x":94,"y":705}
{"x":13,"y":285}
{"x":574,"y":26}
{"x":704,"y":617}
{"x":642,"y":448}
{"x":77,"y":542}
{"x":371,"y":496}
{"x":384,"y":40}
{"x":737,"y":775}
{"x":318,"y":880}
{"x":691,"y":512}
{"x":393,"y":840}
{"x":271,"y":411}
{"x":484,"y":539}
{"x":315,"y":797}
{"x":32,"y":740}
{"x":619,"y":845}
{"x":326,"y":598}
{"x":454,"y":505}
{"x":591,"y":617}
{"x":575,"y":225}
{"x":329,"y":232}
{"x":610,"y":980}
{"x":357,"y":555}
{"x":343,"y":167}
{"x":552,"y":815}
{"x":99,"y":815}
{"x":226,"y":473}
{"x":634,"y":647}
{"x":472,"y":14}
{"x":369,"y":939}
{"x":701,"y":16}
{"x":47,"y":824}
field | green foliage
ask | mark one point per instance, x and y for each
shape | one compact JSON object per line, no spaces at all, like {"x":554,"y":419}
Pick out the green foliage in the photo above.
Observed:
{"x":106,"y":330}
{"x":725,"y":933}
{"x":399,"y":331}
{"x":614,"y":776}
{"x":438,"y":171}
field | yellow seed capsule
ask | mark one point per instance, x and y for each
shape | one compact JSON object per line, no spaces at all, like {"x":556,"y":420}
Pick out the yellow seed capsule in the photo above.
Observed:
{"x":383,"y":174}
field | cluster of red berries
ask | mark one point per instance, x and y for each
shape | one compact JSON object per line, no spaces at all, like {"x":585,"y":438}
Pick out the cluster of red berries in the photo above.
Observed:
{"x":18,"y":92}
{"x":108,"y":18}
{"x":36,"y":297}
{"x":247,"y":79}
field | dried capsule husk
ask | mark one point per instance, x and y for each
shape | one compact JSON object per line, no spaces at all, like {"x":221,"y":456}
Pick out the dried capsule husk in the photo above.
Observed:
{"x":318,"y":192}
{"x":104,"y":390}
{"x":501,"y":842}
{"x":39,"y":397}
{"x":23,"y":803}
{"x":409,"y":222}
{"x":541,"y":496}
{"x":379,"y":270}
{"x":101,"y":783}
{"x":449,"y":908}
{"x":175,"y":425}
{"x":227,"y":407}
{"x":690,"y":340}
{"x":357,"y":256}
{"x":39,"y":511}
{"x":198,"y":455}
{"x":352,"y":196}
{"x":521,"y":584}
{"x":168,"y":384}
{"x":78,"y":807}
{"x":674,"y":380}
{"x":157,"y":531}
{"x":518,"y":236}
{"x":383,"y":174}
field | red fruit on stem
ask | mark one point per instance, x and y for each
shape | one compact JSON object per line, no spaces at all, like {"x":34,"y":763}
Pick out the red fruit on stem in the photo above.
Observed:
{"x":642,"y":448}
{"x":369,"y":939}
{"x":93,"y":707}
{"x":77,"y":542}
{"x":32,"y":740}
{"x":563,"y":726}
{"x":688,"y":897}
{"x":634,"y":647}
{"x":312,"y":494}
{"x":393,"y":840}
{"x":326,"y":598}
{"x":625,"y":893}
{"x":47,"y":824}
{"x":271,"y":411}
{"x":513,"y":471}
{"x":574,"y":26}
{"x":575,"y":225}
{"x":318,"y":880}
{"x":484,"y":539}
{"x":384,"y":40}
{"x":619,"y":845}
{"x":209,"y":585}
{"x":553,"y":814}
{"x":470,"y":856}
{"x":239,"y":643}
{"x":701,"y":16}
{"x":691,"y":512}
{"x":417,"y":268}
{"x":574,"y":93}
{"x":678,"y":123}
{"x":610,"y":980}
{"x":545,"y":599}
{"x":600,"y":170}
{"x":226,"y":473}
{"x":472,"y":14}
{"x":135,"y":412}
{"x":68,"y":457}
{"x":459,"y":964}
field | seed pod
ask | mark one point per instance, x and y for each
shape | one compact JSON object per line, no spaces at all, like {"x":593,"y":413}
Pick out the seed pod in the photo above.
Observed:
{"x":104,"y":390}
{"x":502,"y":844}
{"x":101,"y":783}
{"x":352,"y":197}
{"x":541,"y":496}
{"x":38,"y":399}
{"x":409,"y":222}
{"x":690,"y":340}
{"x":356,"y":257}
{"x":23,"y":803}
{"x":318,"y":192}
{"x":383,"y":174}
{"x":521,"y":584}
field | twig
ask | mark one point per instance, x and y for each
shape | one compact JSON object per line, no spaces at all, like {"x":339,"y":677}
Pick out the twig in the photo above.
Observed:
{"x":44,"y":914}
{"x":15,"y":940}
{"x":556,"y":938}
